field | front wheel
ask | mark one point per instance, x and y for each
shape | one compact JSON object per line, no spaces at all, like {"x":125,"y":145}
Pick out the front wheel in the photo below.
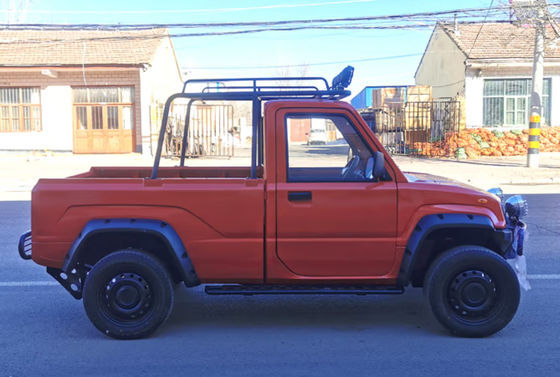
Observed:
{"x":128,"y":294}
{"x":472,"y":291}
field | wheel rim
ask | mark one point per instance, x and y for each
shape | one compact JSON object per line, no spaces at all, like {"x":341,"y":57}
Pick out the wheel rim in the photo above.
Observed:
{"x":127,"y":297}
{"x":472,"y":295}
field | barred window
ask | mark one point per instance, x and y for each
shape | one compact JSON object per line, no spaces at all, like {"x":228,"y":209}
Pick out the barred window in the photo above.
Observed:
{"x":20,"y":109}
{"x":507,"y":102}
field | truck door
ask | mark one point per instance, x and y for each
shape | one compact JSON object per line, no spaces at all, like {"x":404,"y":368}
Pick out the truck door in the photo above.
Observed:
{"x":332,"y":220}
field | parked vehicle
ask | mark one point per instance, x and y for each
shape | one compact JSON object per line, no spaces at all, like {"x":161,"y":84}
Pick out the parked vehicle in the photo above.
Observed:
{"x":122,"y":237}
{"x":317,"y":136}
{"x":317,"y":133}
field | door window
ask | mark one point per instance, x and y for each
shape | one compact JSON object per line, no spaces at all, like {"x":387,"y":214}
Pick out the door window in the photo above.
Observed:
{"x":107,"y":108}
{"x":325,"y":148}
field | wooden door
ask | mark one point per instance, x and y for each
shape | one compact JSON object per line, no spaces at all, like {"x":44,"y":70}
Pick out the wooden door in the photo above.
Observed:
{"x":102,"y":127}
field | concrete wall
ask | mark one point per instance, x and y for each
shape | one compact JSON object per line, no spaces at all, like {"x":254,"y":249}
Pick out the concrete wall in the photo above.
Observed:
{"x":158,"y":82}
{"x":56,"y":120}
{"x":164,"y":74}
{"x":56,"y":103}
{"x":474,"y":86}
{"x":442,"y":67}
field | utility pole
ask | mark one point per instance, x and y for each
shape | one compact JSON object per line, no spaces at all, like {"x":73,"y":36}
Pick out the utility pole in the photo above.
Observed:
{"x":536,"y":90}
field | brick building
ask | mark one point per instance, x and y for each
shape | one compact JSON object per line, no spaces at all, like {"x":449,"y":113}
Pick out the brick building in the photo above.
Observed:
{"x":490,"y":65}
{"x":83,"y":91}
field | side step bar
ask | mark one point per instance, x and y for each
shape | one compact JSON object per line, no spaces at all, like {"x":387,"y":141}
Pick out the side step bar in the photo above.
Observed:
{"x":248,"y":290}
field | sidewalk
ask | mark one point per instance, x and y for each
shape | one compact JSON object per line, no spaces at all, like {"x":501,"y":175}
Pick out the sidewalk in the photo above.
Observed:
{"x":509,"y":173}
{"x":20,"y":171}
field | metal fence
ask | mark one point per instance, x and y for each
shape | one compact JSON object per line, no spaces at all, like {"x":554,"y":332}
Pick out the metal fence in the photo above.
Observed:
{"x":406,"y":128}
{"x":210,"y":130}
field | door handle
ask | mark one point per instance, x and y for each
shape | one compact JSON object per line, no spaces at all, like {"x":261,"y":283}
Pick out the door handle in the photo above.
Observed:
{"x":299,"y":196}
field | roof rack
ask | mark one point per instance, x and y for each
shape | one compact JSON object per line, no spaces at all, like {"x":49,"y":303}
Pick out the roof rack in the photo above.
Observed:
{"x":268,"y":88}
{"x":256,"y":89}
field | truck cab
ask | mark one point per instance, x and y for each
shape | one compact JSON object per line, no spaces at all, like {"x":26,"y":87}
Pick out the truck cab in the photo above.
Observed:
{"x":340,"y":218}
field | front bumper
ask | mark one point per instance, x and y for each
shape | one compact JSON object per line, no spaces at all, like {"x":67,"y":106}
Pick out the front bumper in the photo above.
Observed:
{"x":516,"y":247}
{"x":24,"y":246}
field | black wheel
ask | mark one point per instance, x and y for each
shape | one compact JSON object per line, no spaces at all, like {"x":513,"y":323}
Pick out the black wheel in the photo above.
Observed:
{"x":472,"y":291}
{"x":128,"y":294}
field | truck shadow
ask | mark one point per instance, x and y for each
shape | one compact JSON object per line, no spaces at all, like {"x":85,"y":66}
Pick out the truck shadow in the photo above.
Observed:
{"x":194,"y":309}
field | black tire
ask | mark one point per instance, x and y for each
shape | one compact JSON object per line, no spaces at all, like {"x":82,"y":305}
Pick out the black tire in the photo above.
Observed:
{"x":472,"y":291}
{"x":128,"y":294}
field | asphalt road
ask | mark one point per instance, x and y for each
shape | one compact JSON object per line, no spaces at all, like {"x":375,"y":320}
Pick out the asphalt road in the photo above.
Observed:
{"x":44,"y":331}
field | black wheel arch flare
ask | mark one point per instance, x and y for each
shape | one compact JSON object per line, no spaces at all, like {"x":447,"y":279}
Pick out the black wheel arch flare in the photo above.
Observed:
{"x":502,"y":238}
{"x":157,"y":228}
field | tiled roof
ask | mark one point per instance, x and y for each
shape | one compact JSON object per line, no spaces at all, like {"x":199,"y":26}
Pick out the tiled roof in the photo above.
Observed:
{"x":77,"y":47}
{"x":499,"y":40}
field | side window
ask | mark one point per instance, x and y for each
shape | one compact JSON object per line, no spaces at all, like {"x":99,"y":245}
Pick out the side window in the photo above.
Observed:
{"x":326,"y":148}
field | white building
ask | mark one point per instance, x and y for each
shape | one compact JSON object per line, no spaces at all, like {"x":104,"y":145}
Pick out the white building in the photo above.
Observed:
{"x":490,"y":65}
{"x":85,"y":91}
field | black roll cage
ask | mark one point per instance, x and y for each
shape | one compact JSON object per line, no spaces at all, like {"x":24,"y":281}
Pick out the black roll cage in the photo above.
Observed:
{"x":255,"y":90}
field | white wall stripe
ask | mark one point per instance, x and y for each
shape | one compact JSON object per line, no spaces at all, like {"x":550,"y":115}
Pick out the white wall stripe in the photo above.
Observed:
{"x":28,"y":283}
{"x":543,"y":276}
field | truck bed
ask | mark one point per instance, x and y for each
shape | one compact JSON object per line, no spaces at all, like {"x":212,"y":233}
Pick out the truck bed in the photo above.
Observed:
{"x":202,"y":204}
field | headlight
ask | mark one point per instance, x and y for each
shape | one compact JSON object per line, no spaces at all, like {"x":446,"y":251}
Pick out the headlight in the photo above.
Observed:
{"x":516,"y":207}
{"x":498,"y":192}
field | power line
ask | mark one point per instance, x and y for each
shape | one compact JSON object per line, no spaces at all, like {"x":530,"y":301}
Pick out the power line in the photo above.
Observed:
{"x":308,"y":65}
{"x":410,"y":21}
{"x":481,"y":25}
{"x":41,"y":41}
{"x":462,"y":13}
{"x":183,"y":11}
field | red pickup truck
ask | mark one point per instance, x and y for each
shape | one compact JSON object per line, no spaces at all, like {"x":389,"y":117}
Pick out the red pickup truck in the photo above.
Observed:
{"x":339,"y":218}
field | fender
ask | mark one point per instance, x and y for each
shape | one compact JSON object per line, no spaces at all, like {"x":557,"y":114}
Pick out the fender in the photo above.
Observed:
{"x":430,"y":223}
{"x":161,"y":229}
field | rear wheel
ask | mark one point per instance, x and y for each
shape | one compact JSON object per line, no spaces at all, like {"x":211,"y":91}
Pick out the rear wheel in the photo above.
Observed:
{"x":472,"y":291}
{"x":128,"y":294}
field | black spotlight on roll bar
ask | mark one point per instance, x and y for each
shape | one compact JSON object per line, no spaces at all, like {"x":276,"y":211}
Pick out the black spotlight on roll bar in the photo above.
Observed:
{"x":343,"y":79}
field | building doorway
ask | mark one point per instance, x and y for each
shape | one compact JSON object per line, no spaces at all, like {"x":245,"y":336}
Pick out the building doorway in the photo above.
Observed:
{"x":103,"y":119}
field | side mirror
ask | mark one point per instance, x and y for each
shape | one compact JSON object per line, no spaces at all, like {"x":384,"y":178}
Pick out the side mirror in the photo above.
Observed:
{"x":369,"y":169}
{"x":350,"y":155}
{"x":379,"y":166}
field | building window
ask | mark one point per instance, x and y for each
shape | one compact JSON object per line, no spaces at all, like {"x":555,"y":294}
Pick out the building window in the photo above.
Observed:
{"x":507,"y":102}
{"x":20,"y":109}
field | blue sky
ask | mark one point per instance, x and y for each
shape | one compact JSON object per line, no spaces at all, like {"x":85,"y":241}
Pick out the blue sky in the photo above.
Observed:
{"x":209,"y":56}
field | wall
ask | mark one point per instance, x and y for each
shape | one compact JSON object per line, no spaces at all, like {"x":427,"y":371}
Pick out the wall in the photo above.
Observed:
{"x":362,"y":100}
{"x":474,"y":84}
{"x":56,"y":103}
{"x":56,"y":120}
{"x":158,"y":82}
{"x":442,"y":66}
